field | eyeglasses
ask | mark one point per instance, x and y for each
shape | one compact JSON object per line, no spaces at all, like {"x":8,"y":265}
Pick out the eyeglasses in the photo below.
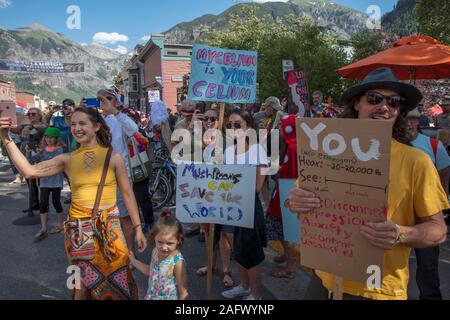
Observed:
{"x":235,"y":125}
{"x":32,"y":114}
{"x":375,"y":98}
{"x":212,"y":119}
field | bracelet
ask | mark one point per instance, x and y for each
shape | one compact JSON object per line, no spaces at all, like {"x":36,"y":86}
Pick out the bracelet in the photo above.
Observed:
{"x":7,"y":143}
{"x":137,"y":226}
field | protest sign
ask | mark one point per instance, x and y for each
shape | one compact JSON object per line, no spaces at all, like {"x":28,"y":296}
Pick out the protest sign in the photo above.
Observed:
{"x":222,"y":75}
{"x":298,"y":91}
{"x":154,"y":95}
{"x":291,"y":224}
{"x":346,"y":163}
{"x":216,"y":194}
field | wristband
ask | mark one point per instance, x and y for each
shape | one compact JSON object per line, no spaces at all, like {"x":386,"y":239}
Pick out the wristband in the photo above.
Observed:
{"x":137,"y":226}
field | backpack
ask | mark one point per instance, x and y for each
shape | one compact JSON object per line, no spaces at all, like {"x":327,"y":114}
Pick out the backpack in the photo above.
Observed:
{"x":140,"y":164}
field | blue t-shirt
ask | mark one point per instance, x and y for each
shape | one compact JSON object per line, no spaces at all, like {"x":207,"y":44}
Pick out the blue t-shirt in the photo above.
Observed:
{"x":55,"y":181}
{"x":442,"y":160}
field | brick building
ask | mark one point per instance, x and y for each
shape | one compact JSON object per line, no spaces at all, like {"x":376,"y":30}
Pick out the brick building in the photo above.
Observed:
{"x":7,"y":91}
{"x":158,"y":68}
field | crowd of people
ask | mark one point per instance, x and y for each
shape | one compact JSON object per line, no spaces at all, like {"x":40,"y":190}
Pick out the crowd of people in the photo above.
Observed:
{"x":90,"y":148}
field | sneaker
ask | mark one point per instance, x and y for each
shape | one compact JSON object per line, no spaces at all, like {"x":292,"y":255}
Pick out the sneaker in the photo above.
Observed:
{"x":236,"y":292}
{"x":250,"y":297}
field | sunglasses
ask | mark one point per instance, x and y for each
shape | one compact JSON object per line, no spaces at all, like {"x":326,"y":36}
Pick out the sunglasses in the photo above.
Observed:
{"x":32,"y":114}
{"x":235,"y":125}
{"x":212,"y":119}
{"x":375,"y":98}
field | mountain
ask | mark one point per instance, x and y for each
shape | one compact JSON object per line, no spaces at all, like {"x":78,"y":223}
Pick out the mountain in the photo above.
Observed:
{"x":343,"y":22}
{"x":401,"y":21}
{"x":37,"y":43}
{"x":101,"y":52}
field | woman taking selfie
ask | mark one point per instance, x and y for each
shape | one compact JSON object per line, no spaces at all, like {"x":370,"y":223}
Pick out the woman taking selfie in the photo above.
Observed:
{"x":94,"y":239}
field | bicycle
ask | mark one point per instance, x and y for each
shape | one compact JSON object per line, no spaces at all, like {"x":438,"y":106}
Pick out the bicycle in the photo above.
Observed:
{"x":162,"y":186}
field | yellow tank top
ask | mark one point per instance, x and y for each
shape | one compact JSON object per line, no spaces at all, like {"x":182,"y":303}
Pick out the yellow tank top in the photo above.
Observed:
{"x":85,"y":172}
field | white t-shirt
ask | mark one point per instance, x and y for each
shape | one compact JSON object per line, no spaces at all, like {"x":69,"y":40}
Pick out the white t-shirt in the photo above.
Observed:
{"x":255,"y":156}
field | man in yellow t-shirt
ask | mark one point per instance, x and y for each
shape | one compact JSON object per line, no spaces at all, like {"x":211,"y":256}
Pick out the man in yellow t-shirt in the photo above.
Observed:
{"x":415,"y":191}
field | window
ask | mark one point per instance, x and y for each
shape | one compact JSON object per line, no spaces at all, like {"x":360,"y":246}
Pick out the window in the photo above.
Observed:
{"x":172,"y":53}
{"x":134,"y":83}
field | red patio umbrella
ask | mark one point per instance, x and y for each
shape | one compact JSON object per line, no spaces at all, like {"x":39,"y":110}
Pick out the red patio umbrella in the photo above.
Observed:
{"x":411,"y":58}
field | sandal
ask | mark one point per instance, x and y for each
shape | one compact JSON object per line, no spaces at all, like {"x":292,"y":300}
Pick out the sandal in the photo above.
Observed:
{"x":227,"y":283}
{"x":203,"y":271}
{"x":282,"y":273}
{"x":56,"y":230}
{"x":40,"y":236}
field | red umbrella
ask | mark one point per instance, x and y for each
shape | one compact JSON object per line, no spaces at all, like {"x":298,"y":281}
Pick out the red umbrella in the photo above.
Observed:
{"x":414,"y":57}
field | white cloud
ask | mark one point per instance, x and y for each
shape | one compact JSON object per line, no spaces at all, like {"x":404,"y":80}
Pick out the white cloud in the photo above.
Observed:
{"x":109,"y":38}
{"x":121,"y":49}
{"x":5,"y":3}
{"x":146,"y":38}
{"x":84,"y":44}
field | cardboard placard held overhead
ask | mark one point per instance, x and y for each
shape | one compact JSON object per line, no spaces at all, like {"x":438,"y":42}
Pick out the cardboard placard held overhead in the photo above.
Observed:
{"x":223,"y":75}
{"x":298,"y":91}
{"x":220,"y":194}
{"x":346,"y":163}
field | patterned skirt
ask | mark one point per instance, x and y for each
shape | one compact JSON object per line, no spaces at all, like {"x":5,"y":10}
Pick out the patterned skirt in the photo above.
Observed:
{"x":107,"y":276}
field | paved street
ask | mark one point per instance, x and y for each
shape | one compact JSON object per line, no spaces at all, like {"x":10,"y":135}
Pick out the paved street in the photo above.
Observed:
{"x":37,"y":271}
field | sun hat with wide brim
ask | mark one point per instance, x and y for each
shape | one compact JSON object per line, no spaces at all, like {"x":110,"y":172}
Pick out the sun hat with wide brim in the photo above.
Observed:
{"x":274,"y":103}
{"x":384,"y":78}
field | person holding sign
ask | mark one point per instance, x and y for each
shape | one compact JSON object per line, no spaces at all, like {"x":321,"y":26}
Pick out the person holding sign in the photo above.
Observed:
{"x":223,"y":234}
{"x":248,"y":243}
{"x":414,"y":192}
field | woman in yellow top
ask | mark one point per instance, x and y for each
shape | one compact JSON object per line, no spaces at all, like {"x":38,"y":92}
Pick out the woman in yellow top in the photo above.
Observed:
{"x":107,"y":275}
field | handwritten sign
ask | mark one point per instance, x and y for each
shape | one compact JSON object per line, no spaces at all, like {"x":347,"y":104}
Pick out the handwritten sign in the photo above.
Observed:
{"x":346,"y":163}
{"x":298,"y":90}
{"x":222,"y":75}
{"x":154,"y":95}
{"x":220,"y":194}
{"x":291,"y":224}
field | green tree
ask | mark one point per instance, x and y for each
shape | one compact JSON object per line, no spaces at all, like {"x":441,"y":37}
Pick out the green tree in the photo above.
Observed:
{"x":297,"y":39}
{"x":366,"y":43}
{"x":433,"y":19}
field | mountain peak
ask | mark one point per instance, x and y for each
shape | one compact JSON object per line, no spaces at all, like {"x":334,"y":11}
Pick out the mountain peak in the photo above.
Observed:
{"x":34,"y":27}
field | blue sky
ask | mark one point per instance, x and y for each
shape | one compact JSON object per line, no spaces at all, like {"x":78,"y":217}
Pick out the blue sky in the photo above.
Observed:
{"x":129,"y":20}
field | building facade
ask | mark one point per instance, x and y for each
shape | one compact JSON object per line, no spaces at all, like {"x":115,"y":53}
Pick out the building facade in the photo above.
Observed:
{"x":7,"y":91}
{"x":156,"y":71}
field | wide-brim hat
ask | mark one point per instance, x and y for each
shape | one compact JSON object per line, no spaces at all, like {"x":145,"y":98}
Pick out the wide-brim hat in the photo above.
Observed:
{"x":274,"y":103}
{"x":384,"y":78}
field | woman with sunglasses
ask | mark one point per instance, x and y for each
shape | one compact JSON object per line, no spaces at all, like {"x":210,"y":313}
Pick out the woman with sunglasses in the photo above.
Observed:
{"x":223,"y":234}
{"x":105,"y":272}
{"x":32,"y":135}
{"x":248,"y":243}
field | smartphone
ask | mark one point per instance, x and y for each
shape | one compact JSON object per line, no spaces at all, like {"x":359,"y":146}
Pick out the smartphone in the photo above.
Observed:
{"x":92,"y":103}
{"x":8,"y":110}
